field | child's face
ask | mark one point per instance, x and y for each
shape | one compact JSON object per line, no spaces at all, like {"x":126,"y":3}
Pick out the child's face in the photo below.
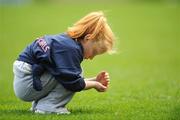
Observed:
{"x":89,"y":51}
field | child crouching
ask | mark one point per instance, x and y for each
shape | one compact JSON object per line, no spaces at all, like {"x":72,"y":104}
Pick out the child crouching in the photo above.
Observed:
{"x":48,"y":72}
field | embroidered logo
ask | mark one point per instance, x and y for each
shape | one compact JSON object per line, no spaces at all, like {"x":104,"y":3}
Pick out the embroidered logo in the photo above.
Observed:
{"x":43,"y":44}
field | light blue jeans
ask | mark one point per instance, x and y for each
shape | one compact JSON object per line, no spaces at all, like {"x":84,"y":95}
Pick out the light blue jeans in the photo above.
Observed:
{"x":52,"y":97}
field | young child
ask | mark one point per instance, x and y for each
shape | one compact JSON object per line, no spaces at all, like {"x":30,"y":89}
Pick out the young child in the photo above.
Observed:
{"x":48,"y":71}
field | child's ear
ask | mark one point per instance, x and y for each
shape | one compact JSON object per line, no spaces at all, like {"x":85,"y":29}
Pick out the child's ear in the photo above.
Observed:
{"x":87,"y":37}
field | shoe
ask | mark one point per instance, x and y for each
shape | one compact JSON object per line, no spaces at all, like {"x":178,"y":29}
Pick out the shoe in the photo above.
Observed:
{"x":41,"y":112}
{"x":58,"y":112}
{"x":63,"y":111}
{"x":33,"y":108}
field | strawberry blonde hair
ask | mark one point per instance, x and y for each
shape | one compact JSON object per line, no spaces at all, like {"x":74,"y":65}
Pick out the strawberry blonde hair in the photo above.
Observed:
{"x":94,"y":27}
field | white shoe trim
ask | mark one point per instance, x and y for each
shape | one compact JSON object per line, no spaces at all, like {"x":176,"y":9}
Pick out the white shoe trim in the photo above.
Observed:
{"x":62,"y":111}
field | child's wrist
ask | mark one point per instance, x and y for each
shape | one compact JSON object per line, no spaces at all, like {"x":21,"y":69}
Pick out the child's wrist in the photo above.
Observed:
{"x":95,"y":84}
{"x":91,"y":79}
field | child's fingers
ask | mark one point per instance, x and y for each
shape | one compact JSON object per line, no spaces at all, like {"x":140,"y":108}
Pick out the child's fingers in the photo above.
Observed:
{"x":103,"y":86}
{"x":106,"y":73}
{"x":102,"y":89}
{"x":106,"y":83}
{"x":107,"y":77}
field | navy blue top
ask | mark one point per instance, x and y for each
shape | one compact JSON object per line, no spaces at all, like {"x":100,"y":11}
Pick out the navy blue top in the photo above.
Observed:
{"x":58,"y":54}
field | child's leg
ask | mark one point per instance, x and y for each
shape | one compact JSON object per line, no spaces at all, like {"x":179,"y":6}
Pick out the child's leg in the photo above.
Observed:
{"x":23,"y":82}
{"x":55,"y":101}
{"x":51,"y":98}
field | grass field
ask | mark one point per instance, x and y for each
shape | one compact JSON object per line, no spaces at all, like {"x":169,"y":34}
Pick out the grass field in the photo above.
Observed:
{"x":145,"y":71}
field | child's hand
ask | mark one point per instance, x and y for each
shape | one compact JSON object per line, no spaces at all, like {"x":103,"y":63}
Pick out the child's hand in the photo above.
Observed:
{"x":103,"y":78}
{"x":100,"y":87}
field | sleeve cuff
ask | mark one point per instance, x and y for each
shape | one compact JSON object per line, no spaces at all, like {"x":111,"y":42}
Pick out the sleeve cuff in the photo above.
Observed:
{"x":75,"y":86}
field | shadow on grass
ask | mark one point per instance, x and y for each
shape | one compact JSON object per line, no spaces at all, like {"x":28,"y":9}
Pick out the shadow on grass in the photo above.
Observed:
{"x":16,"y":111}
{"x":74,"y":111}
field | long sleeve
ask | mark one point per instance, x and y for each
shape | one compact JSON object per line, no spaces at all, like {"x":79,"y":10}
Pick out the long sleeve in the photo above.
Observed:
{"x":67,"y":69}
{"x":59,"y":55}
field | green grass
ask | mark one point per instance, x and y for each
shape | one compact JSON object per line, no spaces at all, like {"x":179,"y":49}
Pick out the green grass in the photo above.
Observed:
{"x":145,"y":79}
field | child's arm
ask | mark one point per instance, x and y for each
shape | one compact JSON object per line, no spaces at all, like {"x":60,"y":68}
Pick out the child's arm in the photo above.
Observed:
{"x":94,"y":84}
{"x":102,"y":77}
{"x":91,"y":79}
{"x":100,"y":82}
